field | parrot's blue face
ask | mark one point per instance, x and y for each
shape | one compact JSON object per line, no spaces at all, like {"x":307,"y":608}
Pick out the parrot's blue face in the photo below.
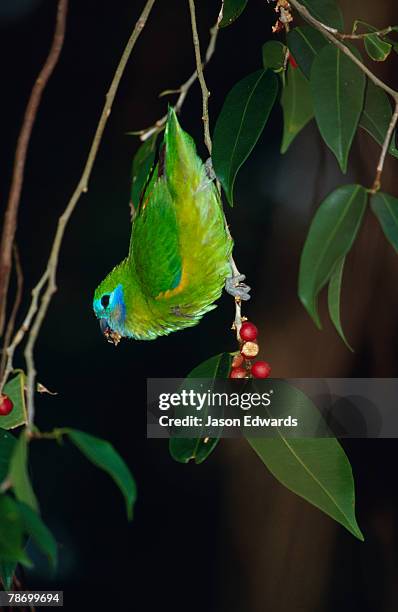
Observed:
{"x":110,"y":309}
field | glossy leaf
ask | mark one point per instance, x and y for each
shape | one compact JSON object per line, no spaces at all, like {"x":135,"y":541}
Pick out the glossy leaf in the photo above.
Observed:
{"x":102,"y":454}
{"x":296,"y":104}
{"x":338,"y":88}
{"x":232,"y":9}
{"x":7,"y":443}
{"x":241,"y":121}
{"x":385,"y":207}
{"x":316,"y":469}
{"x":274,"y":55}
{"x":326,"y":11}
{"x":142,"y":164}
{"x":34,"y":527}
{"x":198,"y":449}
{"x":18,"y":473}
{"x":334,"y":298}
{"x":7,"y":571}
{"x":305,"y":43}
{"x":376,"y":115}
{"x":11,"y":533}
{"x":15,"y":391}
{"x":377,"y":48}
{"x":330,"y":237}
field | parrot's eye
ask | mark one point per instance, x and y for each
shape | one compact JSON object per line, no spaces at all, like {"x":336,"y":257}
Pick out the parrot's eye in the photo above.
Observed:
{"x":105,"y":300}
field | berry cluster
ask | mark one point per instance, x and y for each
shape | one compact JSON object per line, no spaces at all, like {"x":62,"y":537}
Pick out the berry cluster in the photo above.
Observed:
{"x":6,"y":405}
{"x":242,"y":363}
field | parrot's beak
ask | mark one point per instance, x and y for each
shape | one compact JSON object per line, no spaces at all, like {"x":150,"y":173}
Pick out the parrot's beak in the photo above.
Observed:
{"x":111,"y":336}
{"x":104,"y":326}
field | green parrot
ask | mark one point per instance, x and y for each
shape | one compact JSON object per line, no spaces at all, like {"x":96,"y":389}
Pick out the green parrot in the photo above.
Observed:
{"x":178,"y":260}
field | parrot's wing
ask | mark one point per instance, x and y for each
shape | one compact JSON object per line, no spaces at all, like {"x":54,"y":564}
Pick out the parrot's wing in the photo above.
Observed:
{"x":154,"y":241}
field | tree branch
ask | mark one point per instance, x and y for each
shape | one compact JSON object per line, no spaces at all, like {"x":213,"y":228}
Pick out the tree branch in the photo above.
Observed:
{"x":17,"y":302}
{"x":353,"y":36}
{"x":199,"y":69}
{"x":37,"y":313}
{"x":184,"y":88}
{"x":380,"y":166}
{"x":207,"y":138}
{"x":333,"y":36}
{"x":10,"y":217}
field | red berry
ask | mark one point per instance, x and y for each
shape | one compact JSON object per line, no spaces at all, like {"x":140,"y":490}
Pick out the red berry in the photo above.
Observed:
{"x":292,"y":61}
{"x":261,"y":369}
{"x":248,"y":331}
{"x":250,"y":350}
{"x":6,"y":405}
{"x":238,"y":373}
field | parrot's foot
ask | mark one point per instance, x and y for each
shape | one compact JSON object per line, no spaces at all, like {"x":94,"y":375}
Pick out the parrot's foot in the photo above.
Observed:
{"x":209,"y":177}
{"x":210,"y":170}
{"x":235,"y":287}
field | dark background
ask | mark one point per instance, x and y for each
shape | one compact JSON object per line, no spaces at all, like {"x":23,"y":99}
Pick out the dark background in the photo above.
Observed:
{"x":223,"y":535}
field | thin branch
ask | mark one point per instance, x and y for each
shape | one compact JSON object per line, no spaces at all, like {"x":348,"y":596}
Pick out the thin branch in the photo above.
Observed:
{"x":17,"y":302}
{"x":199,"y":68}
{"x":10,"y":217}
{"x":333,"y":37}
{"x":37,"y":313}
{"x":380,"y":166}
{"x":184,"y":88}
{"x":207,"y":139}
{"x":353,"y":36}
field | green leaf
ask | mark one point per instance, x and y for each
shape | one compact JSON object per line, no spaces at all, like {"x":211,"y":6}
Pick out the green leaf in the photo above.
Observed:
{"x":385,"y":207}
{"x":376,"y":115}
{"x":316,"y":469}
{"x":326,"y":11}
{"x":231,"y":11}
{"x":304,"y":44}
{"x":274,"y":55}
{"x":185,"y":449}
{"x":142,"y":164}
{"x":7,"y":443}
{"x":334,"y":294}
{"x":11,"y":533}
{"x":18,"y":473}
{"x":241,"y":121}
{"x":15,"y":391}
{"x":102,"y":454}
{"x":377,"y":48}
{"x":7,"y":571}
{"x":296,"y":104}
{"x":338,"y":88}
{"x":330,"y":237}
{"x":34,"y":527}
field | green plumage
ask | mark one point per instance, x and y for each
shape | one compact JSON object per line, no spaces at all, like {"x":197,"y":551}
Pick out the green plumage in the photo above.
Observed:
{"x":179,"y":249}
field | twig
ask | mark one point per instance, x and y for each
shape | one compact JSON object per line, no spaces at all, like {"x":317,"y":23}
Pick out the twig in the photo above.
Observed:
{"x":333,"y":37}
{"x":10,"y":217}
{"x":15,"y":308}
{"x":207,"y":139}
{"x":37,"y":313}
{"x":386,"y":144}
{"x":184,"y":88}
{"x":353,"y":36}
{"x":199,"y":68}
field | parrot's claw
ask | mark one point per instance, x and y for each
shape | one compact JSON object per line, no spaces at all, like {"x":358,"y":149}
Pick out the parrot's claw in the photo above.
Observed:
{"x":209,"y":169}
{"x":210,"y":176}
{"x":235,"y":287}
